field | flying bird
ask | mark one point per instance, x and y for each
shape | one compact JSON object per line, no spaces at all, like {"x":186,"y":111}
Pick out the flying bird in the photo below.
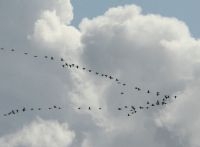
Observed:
{"x":51,"y":58}
{"x":12,"y":50}
{"x":35,"y":56}
{"x":61,"y":59}
{"x":26,"y":53}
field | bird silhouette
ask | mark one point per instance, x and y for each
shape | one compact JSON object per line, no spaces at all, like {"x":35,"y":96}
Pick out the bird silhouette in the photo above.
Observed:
{"x":35,"y":56}
{"x":24,"y":109}
{"x":61,"y":59}
{"x":157,"y":93}
{"x":148,"y":91}
{"x":45,"y":56}
{"x":89,"y":108}
{"x":52,"y":58}
{"x":119,"y":108}
{"x":26,"y":53}
{"x":121,"y":93}
{"x":12,"y":50}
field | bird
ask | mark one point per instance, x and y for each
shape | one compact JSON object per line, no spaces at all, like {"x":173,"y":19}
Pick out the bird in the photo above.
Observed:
{"x":77,"y":66}
{"x":63,"y":65}
{"x":141,"y":107}
{"x":119,"y":108}
{"x":79,"y":108}
{"x":35,"y":56}
{"x":97,"y":73}
{"x":54,"y":106}
{"x":102,"y":75}
{"x":83,"y":68}
{"x":12,"y":50}
{"x":106,"y":75}
{"x":121,"y":93}
{"x":70,"y":65}
{"x":73,"y":65}
{"x":148,"y":91}
{"x":24,"y":109}
{"x":51,"y":58}
{"x":175,"y":96}
{"x":111,"y":77}
{"x":116,"y":80}
{"x":152,"y":105}
{"x":13,"y":112}
{"x":17,"y":110}
{"x":157,"y":93}
{"x":59,"y":108}
{"x":147,"y":107}
{"x":147,"y":102}
{"x":61,"y":59}
{"x":66,"y":64}
{"x":124,"y":84}
{"x":129,"y":114}
{"x":133,"y":107}
{"x":39,"y":108}
{"x":157,"y":103}
{"x":99,"y":108}
{"x":26,"y":53}
{"x":49,"y":108}
{"x":45,"y":56}
{"x":89,"y":108}
{"x":125,"y":106}
{"x":89,"y":70}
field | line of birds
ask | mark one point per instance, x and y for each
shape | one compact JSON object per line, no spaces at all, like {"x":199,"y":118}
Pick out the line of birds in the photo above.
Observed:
{"x":70,"y":66}
{"x":131,"y":108}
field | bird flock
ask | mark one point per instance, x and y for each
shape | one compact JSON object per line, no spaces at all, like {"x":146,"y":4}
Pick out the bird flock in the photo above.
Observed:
{"x":161,"y":101}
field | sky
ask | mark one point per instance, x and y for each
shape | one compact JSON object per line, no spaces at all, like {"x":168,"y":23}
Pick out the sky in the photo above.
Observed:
{"x":153,"y":45}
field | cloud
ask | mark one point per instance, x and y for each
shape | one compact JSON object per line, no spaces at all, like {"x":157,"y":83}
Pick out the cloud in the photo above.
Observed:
{"x":145,"y":50}
{"x":40,"y":133}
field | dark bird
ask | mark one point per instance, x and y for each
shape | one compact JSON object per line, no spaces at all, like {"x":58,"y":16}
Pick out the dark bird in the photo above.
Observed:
{"x":133,"y":107}
{"x":73,"y":65}
{"x":61,"y":59}
{"x":66,"y":64}
{"x":70,"y":65}
{"x":89,"y":108}
{"x":148,"y":91}
{"x":63,"y":65}
{"x":54,"y":106}
{"x":147,"y":107}
{"x":116,"y":80}
{"x":121,"y":93}
{"x":163,"y":103}
{"x":12,"y":50}
{"x":141,"y":107}
{"x":97,"y":73}
{"x":147,"y":102}
{"x":59,"y":108}
{"x":39,"y":108}
{"x":152,"y":105}
{"x":157,"y":93}
{"x":125,"y":106}
{"x":17,"y":110}
{"x":124,"y":84}
{"x":79,"y":108}
{"x":111,"y":77}
{"x":77,"y":66}
{"x":83,"y":68}
{"x":89,"y":70}
{"x":51,"y":58}
{"x":26,"y":53}
{"x":129,"y":114}
{"x":175,"y":96}
{"x":119,"y":108}
{"x":99,"y":108}
{"x":9,"y":113}
{"x":102,"y":75}
{"x":157,"y":102}
{"x":49,"y":108}
{"x":45,"y":56}
{"x":13,"y":112}
{"x":35,"y":56}
{"x":24,"y":109}
{"x":106,"y":75}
